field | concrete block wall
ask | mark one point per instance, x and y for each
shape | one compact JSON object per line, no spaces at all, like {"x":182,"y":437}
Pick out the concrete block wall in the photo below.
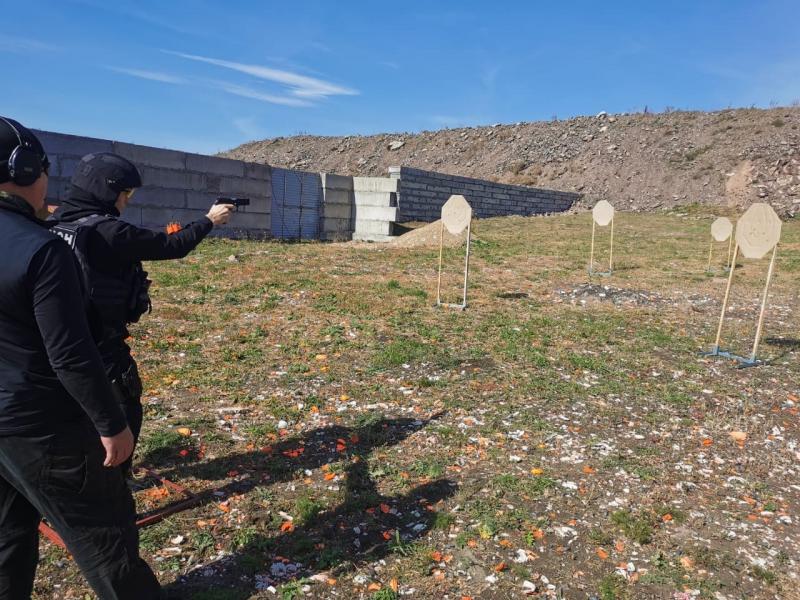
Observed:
{"x":338,"y":216}
{"x":376,"y":208}
{"x":359,"y":208}
{"x":177,"y":186}
{"x":421,"y":195}
{"x":180,"y":186}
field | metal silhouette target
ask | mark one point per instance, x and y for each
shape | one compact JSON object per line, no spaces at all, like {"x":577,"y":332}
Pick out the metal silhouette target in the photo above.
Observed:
{"x":456,"y":214}
{"x":721,"y":229}
{"x":758,"y":231}
{"x":603,"y":213}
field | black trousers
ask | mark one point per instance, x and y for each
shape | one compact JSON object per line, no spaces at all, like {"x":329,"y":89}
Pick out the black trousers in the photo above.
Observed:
{"x":61,"y":476}
{"x":127,"y":387}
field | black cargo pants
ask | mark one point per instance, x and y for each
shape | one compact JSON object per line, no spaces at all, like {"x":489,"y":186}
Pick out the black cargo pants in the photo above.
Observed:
{"x":62,"y":477}
{"x":127,"y":387}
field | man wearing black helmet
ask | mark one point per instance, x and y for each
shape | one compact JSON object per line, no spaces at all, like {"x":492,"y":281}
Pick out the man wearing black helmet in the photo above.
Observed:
{"x":111,"y":252}
{"x":62,"y":435}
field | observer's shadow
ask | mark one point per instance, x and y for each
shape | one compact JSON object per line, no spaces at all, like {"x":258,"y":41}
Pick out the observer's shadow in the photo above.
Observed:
{"x":366,"y":526}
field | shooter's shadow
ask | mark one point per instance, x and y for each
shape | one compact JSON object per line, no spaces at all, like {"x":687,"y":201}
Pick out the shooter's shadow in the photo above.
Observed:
{"x":282,"y":460}
{"x":788,"y":343}
{"x":367,"y":526}
{"x":786,"y":346}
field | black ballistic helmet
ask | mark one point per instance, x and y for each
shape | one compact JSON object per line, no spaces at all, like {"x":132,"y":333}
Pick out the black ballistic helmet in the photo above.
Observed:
{"x":105,"y":175}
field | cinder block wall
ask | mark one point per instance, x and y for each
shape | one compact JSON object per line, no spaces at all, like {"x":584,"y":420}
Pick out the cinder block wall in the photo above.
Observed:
{"x":376,"y":208}
{"x":359,"y":208}
{"x":421,"y":195}
{"x":177,"y":186}
{"x":180,"y":186}
{"x":338,"y":207}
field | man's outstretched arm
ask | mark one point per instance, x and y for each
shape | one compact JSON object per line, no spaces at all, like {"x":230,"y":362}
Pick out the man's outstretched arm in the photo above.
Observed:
{"x":133,"y":244}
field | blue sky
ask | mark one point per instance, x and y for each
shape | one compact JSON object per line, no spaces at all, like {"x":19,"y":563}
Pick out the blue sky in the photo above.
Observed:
{"x":206,"y":75}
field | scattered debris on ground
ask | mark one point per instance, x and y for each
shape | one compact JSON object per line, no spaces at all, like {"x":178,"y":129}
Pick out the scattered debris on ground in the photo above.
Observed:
{"x":350,"y":440}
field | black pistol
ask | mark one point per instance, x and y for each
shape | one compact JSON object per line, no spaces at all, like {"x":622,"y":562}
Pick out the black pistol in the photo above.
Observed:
{"x":237,"y":202}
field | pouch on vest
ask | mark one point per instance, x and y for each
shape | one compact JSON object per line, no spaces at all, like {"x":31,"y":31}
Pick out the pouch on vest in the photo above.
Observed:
{"x":121,"y":297}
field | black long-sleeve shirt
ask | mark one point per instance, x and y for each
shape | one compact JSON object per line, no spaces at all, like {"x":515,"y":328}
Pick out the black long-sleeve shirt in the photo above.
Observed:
{"x":50,"y":368}
{"x":113,"y":246}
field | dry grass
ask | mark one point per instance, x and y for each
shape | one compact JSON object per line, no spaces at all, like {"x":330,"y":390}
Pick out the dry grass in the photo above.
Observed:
{"x":541,"y":420}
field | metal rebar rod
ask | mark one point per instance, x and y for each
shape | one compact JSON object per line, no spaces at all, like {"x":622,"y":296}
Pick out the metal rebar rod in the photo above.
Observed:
{"x":611,"y":253}
{"x":466,"y":262}
{"x":725,"y":300}
{"x":763,"y":304}
{"x":441,"y":247}
{"x":730,"y":247}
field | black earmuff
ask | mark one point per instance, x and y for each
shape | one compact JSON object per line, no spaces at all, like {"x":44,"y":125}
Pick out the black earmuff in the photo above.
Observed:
{"x":24,"y":164}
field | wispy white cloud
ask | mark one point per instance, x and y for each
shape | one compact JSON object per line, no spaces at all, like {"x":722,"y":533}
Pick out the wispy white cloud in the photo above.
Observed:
{"x":19,"y":45}
{"x":301,"y":86}
{"x":248,"y":92}
{"x":389,"y":64}
{"x":150,"y":75}
{"x":225,"y":86}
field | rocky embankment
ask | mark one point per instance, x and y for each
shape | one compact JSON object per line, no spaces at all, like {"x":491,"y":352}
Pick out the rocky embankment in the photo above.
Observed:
{"x":636,"y":161}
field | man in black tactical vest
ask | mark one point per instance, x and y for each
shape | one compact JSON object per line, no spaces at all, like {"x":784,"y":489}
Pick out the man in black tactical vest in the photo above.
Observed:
{"x":110,"y":252}
{"x":62,"y":436}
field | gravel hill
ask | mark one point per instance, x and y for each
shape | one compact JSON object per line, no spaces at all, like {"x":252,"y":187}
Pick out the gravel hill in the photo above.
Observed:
{"x":636,"y":161}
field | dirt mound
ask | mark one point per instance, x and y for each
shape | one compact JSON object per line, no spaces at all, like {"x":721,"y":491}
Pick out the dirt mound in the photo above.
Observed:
{"x":639,"y":161}
{"x":427,"y":236}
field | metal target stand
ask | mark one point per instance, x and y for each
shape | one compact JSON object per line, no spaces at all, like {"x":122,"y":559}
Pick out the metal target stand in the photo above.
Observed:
{"x":752,"y":361}
{"x":757,"y":232}
{"x":603,"y":214}
{"x":610,"y":254}
{"x":719,"y":229}
{"x":456,"y":216}
{"x":151,"y":517}
{"x":439,"y":302}
{"x":728,"y":262}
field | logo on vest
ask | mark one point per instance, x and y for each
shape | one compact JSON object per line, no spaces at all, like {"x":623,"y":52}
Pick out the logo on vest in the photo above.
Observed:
{"x":67,"y":236}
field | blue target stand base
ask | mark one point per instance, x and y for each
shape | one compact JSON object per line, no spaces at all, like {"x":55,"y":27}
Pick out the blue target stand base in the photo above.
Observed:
{"x":600,"y":273}
{"x":743,"y":361}
{"x":450,"y":305}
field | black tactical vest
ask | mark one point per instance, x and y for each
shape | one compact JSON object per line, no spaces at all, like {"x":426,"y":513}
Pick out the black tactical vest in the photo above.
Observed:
{"x":121,"y":297}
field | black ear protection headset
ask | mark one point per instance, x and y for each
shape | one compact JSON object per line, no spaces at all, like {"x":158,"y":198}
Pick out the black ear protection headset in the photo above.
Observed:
{"x":24,"y":164}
